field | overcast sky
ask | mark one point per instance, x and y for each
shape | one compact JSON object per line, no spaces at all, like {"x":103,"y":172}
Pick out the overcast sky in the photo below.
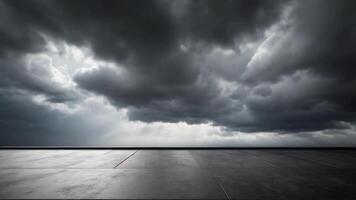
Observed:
{"x":178,"y":72}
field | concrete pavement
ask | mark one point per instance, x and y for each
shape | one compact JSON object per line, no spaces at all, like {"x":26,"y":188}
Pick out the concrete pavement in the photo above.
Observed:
{"x":178,"y":174}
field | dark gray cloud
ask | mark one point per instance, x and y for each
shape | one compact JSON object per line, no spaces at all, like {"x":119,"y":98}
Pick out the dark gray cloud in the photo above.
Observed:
{"x":320,"y":41}
{"x":220,"y":23}
{"x":284,"y":66}
{"x":24,"y":122}
{"x":320,"y":37}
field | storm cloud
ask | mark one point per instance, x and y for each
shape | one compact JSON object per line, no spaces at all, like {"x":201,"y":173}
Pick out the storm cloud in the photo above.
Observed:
{"x":280,"y":66}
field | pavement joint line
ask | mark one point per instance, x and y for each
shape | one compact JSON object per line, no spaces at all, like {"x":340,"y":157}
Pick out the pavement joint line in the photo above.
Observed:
{"x":213,"y":176}
{"x":126,"y":158}
{"x":221,"y":187}
{"x":200,"y":166}
{"x":108,"y":152}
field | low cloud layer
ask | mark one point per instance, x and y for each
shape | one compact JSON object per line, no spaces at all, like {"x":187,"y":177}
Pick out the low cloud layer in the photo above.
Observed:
{"x":281,"y":67}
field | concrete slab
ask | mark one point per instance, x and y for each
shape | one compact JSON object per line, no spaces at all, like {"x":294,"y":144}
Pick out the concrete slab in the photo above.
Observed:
{"x":104,"y":183}
{"x":163,"y":184}
{"x":158,"y":159}
{"x":178,"y":174}
{"x":248,"y":183}
{"x":318,"y":183}
{"x":229,"y":159}
{"x":107,"y":160}
{"x":282,"y":159}
{"x":328,"y":158}
{"x":53,"y":183}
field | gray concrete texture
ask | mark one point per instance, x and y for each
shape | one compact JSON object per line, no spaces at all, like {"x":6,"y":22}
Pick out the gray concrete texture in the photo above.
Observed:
{"x":178,"y":174}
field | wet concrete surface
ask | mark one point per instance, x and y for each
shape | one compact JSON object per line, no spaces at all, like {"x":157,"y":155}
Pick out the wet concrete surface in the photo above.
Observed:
{"x":178,"y":174}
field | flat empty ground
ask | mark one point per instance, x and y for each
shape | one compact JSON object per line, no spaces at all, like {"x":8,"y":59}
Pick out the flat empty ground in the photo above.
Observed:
{"x":177,"y":174}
